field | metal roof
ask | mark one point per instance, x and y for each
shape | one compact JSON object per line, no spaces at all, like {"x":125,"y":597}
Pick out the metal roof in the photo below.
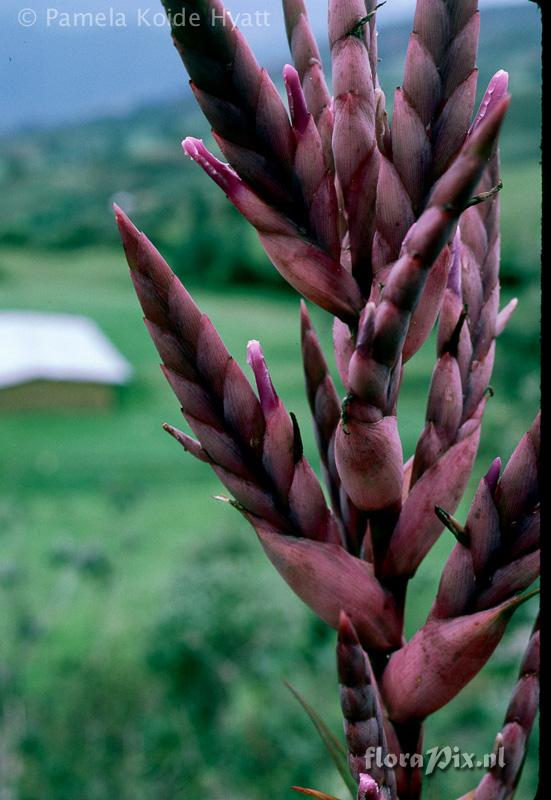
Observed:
{"x":57,"y":347}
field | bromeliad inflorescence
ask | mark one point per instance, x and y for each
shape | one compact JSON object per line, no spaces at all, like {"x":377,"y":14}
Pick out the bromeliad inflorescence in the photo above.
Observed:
{"x":388,"y":227}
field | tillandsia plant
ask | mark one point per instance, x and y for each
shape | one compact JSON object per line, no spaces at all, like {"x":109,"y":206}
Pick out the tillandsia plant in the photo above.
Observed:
{"x":391,"y":228}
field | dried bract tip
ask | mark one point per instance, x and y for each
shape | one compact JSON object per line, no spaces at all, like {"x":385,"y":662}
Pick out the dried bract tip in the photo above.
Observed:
{"x":453,"y":525}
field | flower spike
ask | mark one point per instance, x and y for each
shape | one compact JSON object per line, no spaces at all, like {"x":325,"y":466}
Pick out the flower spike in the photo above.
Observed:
{"x":393,"y":228}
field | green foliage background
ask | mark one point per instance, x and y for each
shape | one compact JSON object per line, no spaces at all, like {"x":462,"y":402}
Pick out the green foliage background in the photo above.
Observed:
{"x":144,"y":636}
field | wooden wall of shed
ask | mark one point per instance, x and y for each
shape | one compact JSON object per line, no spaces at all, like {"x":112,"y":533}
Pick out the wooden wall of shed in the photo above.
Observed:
{"x":57,"y":395}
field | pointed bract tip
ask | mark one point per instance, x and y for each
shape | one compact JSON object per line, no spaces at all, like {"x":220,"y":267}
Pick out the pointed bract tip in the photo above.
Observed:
{"x":366,"y":326}
{"x":229,"y":501}
{"x":505,"y":315}
{"x":297,"y":102}
{"x":221,"y":173}
{"x":305,"y":321}
{"x":266,"y":392}
{"x":123,"y":220}
{"x":347,"y":633}
{"x":497,"y":89}
{"x":492,"y":476}
{"x":189,"y":444}
{"x":454,"y":274}
{"x":519,"y":600}
{"x":221,"y":498}
{"x":499,"y":84}
{"x":130,"y":236}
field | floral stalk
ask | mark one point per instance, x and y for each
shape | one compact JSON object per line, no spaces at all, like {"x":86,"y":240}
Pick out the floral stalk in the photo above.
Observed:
{"x":386,"y":225}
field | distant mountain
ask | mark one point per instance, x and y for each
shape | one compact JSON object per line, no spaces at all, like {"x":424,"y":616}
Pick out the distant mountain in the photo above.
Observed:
{"x":56,"y":184}
{"x":52,"y":72}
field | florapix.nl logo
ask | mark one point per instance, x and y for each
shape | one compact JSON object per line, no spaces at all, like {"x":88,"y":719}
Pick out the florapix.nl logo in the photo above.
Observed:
{"x":442,"y":758}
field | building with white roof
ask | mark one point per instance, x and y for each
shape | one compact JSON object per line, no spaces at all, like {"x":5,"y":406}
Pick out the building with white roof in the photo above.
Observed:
{"x":57,"y":361}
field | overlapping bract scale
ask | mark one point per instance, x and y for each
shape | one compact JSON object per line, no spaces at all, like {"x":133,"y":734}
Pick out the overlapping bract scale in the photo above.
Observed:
{"x":388,"y":226}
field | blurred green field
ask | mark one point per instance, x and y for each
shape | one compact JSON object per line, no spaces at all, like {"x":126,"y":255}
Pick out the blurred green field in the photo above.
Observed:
{"x":118,"y":576}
